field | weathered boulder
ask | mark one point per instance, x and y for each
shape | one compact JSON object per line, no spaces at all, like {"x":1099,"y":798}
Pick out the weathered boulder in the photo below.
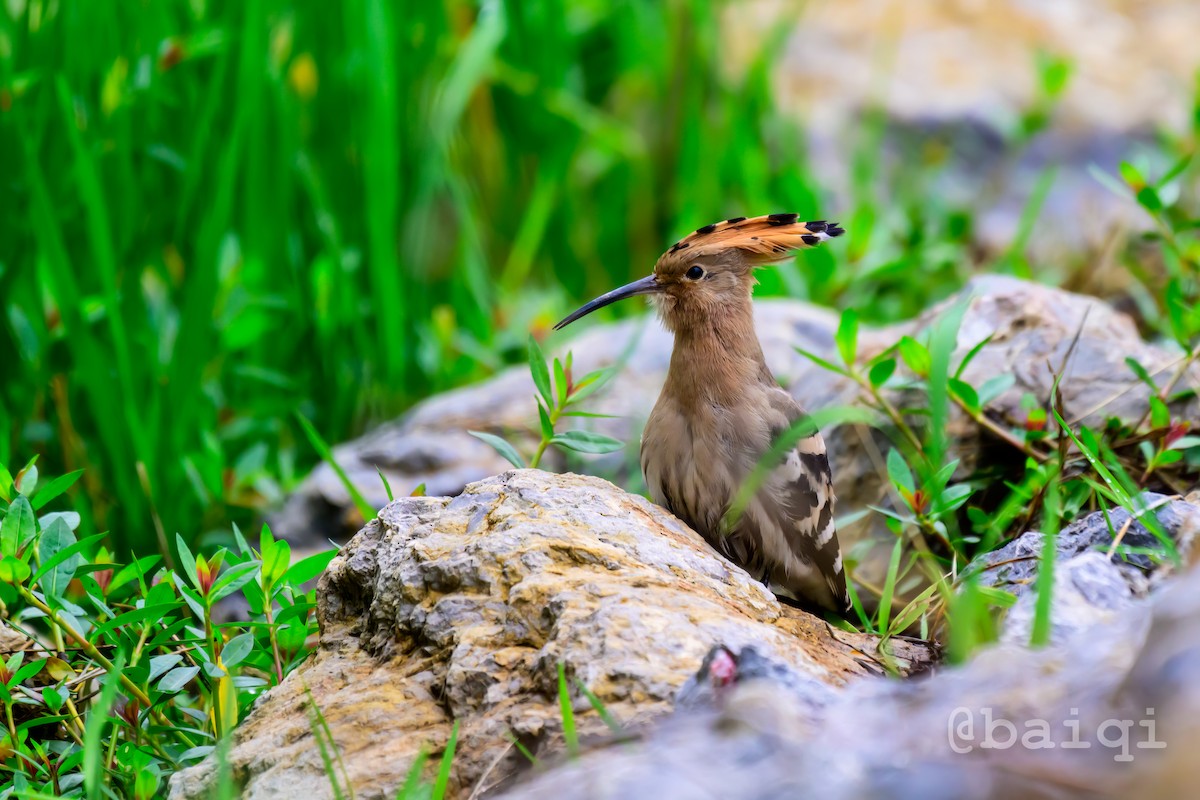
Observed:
{"x":461,"y":608}
{"x":1106,"y":710}
{"x":1032,"y":328}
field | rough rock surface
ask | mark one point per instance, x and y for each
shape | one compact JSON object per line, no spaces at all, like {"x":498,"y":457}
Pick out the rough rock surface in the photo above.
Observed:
{"x":1092,"y":585}
{"x":1032,"y":328}
{"x":461,"y":609}
{"x":1113,"y":686}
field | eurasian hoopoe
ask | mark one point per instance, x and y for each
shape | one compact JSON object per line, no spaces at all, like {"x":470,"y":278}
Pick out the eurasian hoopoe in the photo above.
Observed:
{"x":721,"y":410}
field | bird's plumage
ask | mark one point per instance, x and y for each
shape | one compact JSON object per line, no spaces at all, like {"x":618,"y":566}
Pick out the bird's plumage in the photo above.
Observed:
{"x":721,"y":410}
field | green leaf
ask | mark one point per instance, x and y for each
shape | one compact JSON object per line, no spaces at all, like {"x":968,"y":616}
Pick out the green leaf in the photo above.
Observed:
{"x":413,"y":787}
{"x":998,"y":597}
{"x":600,"y":708}
{"x":1168,"y":457}
{"x":242,"y":545}
{"x":846,"y":337}
{"x":276,"y":557}
{"x":236,"y":649}
{"x":1131,"y":175}
{"x":1148,"y":199}
{"x":500,"y":446}
{"x":544,"y":420}
{"x":442,"y":781}
{"x":970,"y":356}
{"x":187,"y":563}
{"x":1040,"y":633}
{"x":568,"y":713}
{"x":13,"y":569}
{"x":1144,"y":376}
{"x":915,"y":608}
{"x":176,"y":679}
{"x":6,"y":484}
{"x":560,"y":382}
{"x":943,"y":341}
{"x":28,"y":480}
{"x":1108,"y":181}
{"x":52,"y":698}
{"x":139,"y":568}
{"x":820,"y":362}
{"x":18,"y":526}
{"x":1160,"y":415}
{"x":364,"y":508}
{"x":966,"y":393}
{"x":387,"y":487}
{"x":26,"y":672}
{"x":995,"y":386}
{"x":233,"y":579}
{"x":1175,"y":170}
{"x":1185,"y":443}
{"x":93,"y":737}
{"x":953,"y":497}
{"x":881,"y":371}
{"x":69,"y":551}
{"x":70,"y":517}
{"x":150,"y":612}
{"x":590,"y":383}
{"x":1085,"y":440}
{"x":587,"y":442}
{"x":160,"y":664}
{"x":915,"y":355}
{"x":308,"y":568}
{"x":898,"y":471}
{"x":889,"y":585}
{"x":54,"y":488}
{"x":537,"y":369}
{"x":55,"y":539}
{"x":194,"y":600}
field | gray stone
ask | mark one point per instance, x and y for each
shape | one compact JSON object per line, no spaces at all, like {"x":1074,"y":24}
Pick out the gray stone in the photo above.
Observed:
{"x":1092,"y":586}
{"x":1129,"y":682}
{"x":460,"y":609}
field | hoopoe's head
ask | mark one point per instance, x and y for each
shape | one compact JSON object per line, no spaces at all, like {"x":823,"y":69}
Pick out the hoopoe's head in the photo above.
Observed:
{"x":710,"y":271}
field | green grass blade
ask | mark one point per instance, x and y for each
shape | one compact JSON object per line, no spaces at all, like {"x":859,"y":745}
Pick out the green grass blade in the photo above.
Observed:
{"x":322,"y":447}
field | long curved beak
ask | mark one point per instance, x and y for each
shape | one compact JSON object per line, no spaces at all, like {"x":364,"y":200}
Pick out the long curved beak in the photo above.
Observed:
{"x":647,"y":285}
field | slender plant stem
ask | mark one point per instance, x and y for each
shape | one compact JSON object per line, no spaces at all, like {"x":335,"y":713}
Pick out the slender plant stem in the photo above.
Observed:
{"x":890,"y":410}
{"x":555,"y":414}
{"x":269,"y":612}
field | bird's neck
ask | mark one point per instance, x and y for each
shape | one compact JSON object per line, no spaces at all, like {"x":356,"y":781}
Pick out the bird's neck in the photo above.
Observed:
{"x":716,"y":359}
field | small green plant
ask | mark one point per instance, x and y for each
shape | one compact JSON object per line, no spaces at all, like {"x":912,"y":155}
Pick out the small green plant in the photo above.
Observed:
{"x":943,"y":518}
{"x":557,"y":399}
{"x":139,"y":675}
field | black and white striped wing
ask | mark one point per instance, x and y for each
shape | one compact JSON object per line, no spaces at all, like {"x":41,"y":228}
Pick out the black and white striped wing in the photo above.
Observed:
{"x":790,"y":521}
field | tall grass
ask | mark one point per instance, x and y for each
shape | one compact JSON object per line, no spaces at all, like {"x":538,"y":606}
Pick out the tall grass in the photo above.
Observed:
{"x":223,"y":216}
{"x":219,"y":214}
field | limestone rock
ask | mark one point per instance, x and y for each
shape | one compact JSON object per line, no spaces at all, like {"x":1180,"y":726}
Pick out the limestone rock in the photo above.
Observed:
{"x":1123,"y":691}
{"x":461,"y":609}
{"x":1031,"y":328}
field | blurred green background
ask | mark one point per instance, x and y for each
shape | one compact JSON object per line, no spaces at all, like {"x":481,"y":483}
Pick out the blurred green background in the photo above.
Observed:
{"x":219,"y":215}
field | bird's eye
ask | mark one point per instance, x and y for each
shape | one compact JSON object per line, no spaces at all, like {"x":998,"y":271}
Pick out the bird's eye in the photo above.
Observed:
{"x":695,"y":273}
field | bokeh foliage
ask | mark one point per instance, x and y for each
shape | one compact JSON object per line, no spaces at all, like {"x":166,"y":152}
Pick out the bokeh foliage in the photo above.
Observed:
{"x":222,"y":213}
{"x":219,"y":215}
